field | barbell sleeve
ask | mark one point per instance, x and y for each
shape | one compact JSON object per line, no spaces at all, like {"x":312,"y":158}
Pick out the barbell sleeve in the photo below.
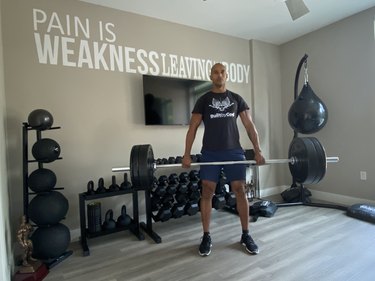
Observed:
{"x":292,"y":161}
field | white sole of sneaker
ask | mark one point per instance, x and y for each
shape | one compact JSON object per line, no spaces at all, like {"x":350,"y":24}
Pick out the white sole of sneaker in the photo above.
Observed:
{"x":204,"y":254}
{"x":251,"y":252}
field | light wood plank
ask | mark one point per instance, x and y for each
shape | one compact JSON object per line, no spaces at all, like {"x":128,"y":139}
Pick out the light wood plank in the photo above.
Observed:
{"x":297,"y":243}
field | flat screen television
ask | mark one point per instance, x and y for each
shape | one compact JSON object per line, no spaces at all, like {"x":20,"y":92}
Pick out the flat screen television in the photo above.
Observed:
{"x":169,"y":101}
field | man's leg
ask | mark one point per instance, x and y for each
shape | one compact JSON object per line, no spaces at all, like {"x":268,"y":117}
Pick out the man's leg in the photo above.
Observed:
{"x":208,"y":189}
{"x":238,"y":187}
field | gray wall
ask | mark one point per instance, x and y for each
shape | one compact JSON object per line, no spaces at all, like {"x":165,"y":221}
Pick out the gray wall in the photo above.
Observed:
{"x":341,"y":68}
{"x":6,"y":261}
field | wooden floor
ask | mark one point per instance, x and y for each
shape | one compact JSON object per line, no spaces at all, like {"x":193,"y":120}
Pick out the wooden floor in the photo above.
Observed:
{"x":298,"y":243}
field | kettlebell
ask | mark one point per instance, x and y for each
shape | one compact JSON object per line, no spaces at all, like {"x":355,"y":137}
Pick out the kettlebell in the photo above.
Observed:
{"x":90,"y":188}
{"x":125,"y":184}
{"x":109,"y":222}
{"x":101,"y":188}
{"x":124,"y":219}
{"x":114,"y":186}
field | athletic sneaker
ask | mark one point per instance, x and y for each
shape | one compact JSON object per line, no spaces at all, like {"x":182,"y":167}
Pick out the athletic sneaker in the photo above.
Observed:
{"x":205,"y":246}
{"x":249,"y":244}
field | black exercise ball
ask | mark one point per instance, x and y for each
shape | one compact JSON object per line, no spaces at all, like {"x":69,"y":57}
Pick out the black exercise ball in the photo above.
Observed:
{"x":41,"y":180}
{"x":40,"y":119}
{"x":50,"y":242}
{"x":308,"y":114}
{"x":46,"y":150}
{"x":48,"y":208}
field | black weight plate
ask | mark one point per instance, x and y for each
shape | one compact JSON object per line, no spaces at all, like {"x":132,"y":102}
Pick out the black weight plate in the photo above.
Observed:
{"x":134,"y":166}
{"x":322,"y":159}
{"x":146,"y":166}
{"x":298,"y":169}
{"x":310,"y":160}
{"x":313,"y":167}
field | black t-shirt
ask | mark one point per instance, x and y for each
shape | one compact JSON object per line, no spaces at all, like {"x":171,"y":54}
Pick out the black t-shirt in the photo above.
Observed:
{"x":219,"y":113}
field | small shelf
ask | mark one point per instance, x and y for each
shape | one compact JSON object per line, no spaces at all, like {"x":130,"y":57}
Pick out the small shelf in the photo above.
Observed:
{"x":134,"y":226}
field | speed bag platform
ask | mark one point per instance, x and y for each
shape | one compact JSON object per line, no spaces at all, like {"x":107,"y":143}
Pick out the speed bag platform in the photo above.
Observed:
{"x":365,"y":212}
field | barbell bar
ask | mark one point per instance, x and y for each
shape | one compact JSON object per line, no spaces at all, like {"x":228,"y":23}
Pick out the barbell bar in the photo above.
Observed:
{"x":307,"y":162}
{"x":293,"y":160}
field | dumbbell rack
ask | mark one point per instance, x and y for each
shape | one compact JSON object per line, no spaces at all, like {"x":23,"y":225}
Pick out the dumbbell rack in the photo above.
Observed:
{"x":133,"y":227}
{"x":26,"y":193}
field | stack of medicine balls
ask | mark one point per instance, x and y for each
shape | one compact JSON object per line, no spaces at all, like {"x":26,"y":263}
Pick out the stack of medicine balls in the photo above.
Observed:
{"x":48,"y":207}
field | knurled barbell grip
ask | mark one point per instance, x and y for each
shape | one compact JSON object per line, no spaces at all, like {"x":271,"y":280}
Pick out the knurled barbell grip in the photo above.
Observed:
{"x":292,"y":161}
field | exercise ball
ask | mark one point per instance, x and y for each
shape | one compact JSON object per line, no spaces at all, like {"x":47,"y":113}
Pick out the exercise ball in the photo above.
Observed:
{"x":308,"y":114}
{"x":40,"y":119}
{"x":48,"y":208}
{"x":42,"y":180}
{"x":50,"y":242}
{"x":46,"y":150}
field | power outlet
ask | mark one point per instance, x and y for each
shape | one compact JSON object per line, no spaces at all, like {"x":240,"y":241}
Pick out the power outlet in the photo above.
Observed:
{"x":363,"y":175}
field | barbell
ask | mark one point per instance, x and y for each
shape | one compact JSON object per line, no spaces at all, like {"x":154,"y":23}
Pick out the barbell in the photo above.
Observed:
{"x":307,"y":162}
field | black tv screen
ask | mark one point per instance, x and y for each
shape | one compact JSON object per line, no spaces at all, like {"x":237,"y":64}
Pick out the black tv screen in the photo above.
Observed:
{"x":169,"y":101}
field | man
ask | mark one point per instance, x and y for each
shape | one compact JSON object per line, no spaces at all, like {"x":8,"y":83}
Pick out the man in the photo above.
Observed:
{"x":219,"y":109}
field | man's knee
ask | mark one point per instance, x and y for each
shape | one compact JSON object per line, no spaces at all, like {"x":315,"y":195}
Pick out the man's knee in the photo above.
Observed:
{"x":208,"y":189}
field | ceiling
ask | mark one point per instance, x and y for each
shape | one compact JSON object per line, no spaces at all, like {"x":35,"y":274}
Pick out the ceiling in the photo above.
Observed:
{"x":264,"y":20}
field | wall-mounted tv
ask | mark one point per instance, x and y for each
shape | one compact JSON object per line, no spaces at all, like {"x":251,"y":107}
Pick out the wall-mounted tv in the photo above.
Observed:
{"x":169,"y":101}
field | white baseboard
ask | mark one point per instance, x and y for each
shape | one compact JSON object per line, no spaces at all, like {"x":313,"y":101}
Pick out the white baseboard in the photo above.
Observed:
{"x":337,"y":198}
{"x":273,"y":190}
{"x":319,"y":195}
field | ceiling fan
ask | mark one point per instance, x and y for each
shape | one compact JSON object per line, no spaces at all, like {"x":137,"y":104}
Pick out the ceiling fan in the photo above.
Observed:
{"x":297,"y":8}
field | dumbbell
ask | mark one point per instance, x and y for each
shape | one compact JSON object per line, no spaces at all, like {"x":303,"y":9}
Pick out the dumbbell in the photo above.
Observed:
{"x":193,"y":194}
{"x":171,"y":160}
{"x":193,"y":186}
{"x":178,"y":210}
{"x":182,"y":187}
{"x":184,"y":177}
{"x":230,"y":199}
{"x":191,"y":208}
{"x":218,"y":201}
{"x":194,"y":175}
{"x":172,"y":183}
{"x":163,"y":214}
{"x":181,"y":198}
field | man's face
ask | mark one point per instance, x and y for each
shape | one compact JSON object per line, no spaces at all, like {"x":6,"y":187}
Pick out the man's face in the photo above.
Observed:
{"x":218,"y":75}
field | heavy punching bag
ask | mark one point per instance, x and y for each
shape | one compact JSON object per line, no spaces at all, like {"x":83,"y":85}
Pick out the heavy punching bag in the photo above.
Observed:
{"x":308,"y":114}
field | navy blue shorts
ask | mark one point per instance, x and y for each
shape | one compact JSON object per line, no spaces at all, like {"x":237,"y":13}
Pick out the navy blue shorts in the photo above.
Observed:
{"x":232,"y":172}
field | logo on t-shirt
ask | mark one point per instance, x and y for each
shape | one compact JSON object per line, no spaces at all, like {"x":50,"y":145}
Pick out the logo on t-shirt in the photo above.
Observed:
{"x":221,"y":105}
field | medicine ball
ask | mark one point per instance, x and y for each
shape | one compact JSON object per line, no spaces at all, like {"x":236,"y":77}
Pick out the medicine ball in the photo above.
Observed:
{"x":48,"y":208}
{"x":46,"y":150}
{"x":42,"y":180}
{"x":40,"y":119}
{"x":50,"y":242}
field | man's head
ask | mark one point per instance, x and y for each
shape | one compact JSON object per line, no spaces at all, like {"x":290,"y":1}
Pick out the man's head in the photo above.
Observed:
{"x":218,"y":75}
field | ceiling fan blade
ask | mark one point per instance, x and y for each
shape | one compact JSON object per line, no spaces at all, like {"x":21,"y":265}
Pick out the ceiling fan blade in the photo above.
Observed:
{"x":297,"y":8}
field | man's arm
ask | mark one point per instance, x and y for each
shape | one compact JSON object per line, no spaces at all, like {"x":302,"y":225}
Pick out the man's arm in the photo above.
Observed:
{"x":253,"y":135}
{"x":195,"y":121}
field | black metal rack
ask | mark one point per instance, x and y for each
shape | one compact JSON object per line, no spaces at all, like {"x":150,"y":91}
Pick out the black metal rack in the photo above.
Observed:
{"x":133,"y":227}
{"x":26,"y":193}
